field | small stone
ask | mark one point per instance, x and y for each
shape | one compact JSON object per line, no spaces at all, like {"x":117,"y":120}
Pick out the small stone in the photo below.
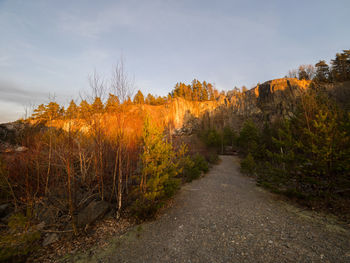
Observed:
{"x":21,"y":149}
{"x":270,"y":242}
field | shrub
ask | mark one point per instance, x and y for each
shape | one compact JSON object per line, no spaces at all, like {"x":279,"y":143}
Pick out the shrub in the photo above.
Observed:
{"x":213,"y":158}
{"x":248,"y":138}
{"x":201,"y":163}
{"x":191,"y":172}
{"x":19,"y":242}
{"x":248,"y":164}
{"x":211,"y":138}
{"x":171,"y":186}
{"x":143,"y":209}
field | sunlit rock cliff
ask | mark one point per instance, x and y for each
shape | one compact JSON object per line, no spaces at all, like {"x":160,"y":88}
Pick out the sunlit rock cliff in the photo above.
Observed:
{"x":266,"y":102}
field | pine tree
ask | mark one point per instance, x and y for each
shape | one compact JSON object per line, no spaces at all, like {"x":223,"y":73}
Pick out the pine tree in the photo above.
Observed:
{"x":211,"y":95}
{"x":39,"y":112}
{"x":248,"y":138}
{"x":158,"y":165}
{"x":150,"y":99}
{"x":84,"y":110}
{"x":340,"y":66}
{"x":139,"y":98}
{"x":112,"y":103}
{"x":160,"y":100}
{"x":322,"y":71}
{"x":53,"y":111}
{"x":97,"y":106}
{"x":205,"y":93}
{"x":72,"y":110}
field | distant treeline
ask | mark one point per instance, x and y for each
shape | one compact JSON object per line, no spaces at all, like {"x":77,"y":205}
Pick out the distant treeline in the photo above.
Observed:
{"x":339,"y":69}
{"x":196,"y":91}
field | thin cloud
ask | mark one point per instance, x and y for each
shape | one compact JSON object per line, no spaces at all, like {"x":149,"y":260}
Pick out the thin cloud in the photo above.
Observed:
{"x":12,"y":92}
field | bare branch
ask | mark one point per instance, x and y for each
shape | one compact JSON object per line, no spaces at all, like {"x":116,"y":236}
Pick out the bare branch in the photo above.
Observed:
{"x":121,"y":84}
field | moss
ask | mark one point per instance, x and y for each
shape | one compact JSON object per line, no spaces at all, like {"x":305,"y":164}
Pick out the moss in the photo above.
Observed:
{"x":19,"y":241}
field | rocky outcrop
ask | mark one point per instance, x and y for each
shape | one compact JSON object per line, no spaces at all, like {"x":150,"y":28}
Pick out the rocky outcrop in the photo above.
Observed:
{"x":9,"y":133}
{"x":95,"y":210}
{"x":270,"y":100}
{"x":266,"y":102}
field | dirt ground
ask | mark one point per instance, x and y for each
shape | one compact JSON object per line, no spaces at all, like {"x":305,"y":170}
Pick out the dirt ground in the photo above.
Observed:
{"x":225,"y":217}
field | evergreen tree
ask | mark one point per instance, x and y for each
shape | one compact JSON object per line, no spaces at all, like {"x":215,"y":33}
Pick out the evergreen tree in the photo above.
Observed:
{"x":39,"y":112}
{"x":197,"y":90}
{"x":160,"y":100}
{"x":72,"y":110}
{"x":53,"y":111}
{"x":128,"y":101}
{"x":158,"y":165}
{"x":205,"y":93}
{"x":248,"y":139}
{"x":84,"y":110}
{"x":150,"y":99}
{"x":139,"y":98}
{"x":322,"y":71}
{"x":340,"y":66}
{"x":112,"y":103}
{"x":187,"y":92}
{"x":97,"y":106}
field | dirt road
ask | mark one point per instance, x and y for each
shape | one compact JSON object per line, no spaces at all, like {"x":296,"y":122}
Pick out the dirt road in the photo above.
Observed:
{"x":225,"y":217}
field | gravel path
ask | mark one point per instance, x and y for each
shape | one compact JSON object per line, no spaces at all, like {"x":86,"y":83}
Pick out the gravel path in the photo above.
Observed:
{"x":225,"y":217}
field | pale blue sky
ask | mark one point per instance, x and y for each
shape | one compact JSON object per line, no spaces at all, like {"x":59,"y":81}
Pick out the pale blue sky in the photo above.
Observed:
{"x":50,"y":47}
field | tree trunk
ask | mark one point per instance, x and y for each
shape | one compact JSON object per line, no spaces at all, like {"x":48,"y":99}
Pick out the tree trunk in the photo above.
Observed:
{"x":120,"y":186}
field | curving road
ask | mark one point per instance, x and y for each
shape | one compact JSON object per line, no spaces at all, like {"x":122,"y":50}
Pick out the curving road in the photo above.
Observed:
{"x":225,"y":217}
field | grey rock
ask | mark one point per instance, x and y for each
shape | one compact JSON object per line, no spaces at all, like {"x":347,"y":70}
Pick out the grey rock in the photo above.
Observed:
{"x":94,"y":211}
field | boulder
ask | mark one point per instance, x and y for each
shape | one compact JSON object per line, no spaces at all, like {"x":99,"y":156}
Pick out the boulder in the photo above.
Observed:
{"x":94,"y":211}
{"x":47,"y":214}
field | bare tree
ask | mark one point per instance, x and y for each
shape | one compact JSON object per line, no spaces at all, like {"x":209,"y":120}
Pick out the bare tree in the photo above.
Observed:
{"x":123,"y":87}
{"x":28,"y":109}
{"x":310,"y":71}
{"x":121,"y":84}
{"x":97,"y":87}
{"x":293,"y":73}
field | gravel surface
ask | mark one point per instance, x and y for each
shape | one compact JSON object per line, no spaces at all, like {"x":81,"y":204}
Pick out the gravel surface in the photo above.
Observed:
{"x":225,"y":217}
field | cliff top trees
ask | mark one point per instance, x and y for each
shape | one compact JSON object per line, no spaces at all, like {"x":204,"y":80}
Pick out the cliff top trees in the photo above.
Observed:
{"x":97,"y":106}
{"x":48,"y":112}
{"x":112,"y":103}
{"x":306,"y":72}
{"x":339,"y":70}
{"x":341,"y":66}
{"x":150,"y":99}
{"x":72,"y":110}
{"x":139,"y":98}
{"x":322,"y":71}
{"x":84,"y":110}
{"x":196,"y":91}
